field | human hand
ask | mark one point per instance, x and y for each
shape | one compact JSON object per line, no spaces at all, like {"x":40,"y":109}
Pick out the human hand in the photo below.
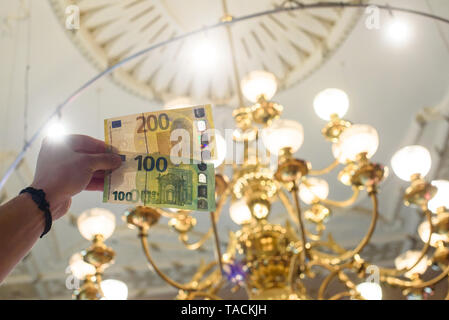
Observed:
{"x":66,"y":168}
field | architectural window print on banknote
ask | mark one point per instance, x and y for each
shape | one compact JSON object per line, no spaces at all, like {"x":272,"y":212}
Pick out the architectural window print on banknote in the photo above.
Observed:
{"x":155,"y":170}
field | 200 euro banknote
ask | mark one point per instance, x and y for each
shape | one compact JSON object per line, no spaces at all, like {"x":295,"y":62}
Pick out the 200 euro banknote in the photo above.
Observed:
{"x":184,"y":132}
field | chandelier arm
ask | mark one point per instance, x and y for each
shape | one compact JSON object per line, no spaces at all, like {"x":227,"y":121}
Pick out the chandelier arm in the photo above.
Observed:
{"x":217,"y":242}
{"x":447,"y":297}
{"x":305,"y":244}
{"x":366,"y":239}
{"x":199,"y":243}
{"x":315,"y":236}
{"x":326,"y":283}
{"x":219,"y":208}
{"x":340,"y":295}
{"x":344,"y":203}
{"x":146,"y":250}
{"x":291,"y":211}
{"x":202,"y":270}
{"x":324,"y":171}
{"x":413,"y":284}
{"x":166,"y":213}
{"x":424,"y":250}
{"x":213,"y":278}
{"x":334,"y":271}
{"x":232,"y":52}
{"x":211,"y":296}
{"x":333,"y":246}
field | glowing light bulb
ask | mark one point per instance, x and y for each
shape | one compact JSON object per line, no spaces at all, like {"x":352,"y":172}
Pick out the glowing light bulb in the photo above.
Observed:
{"x":313,"y":189}
{"x":240,"y":212}
{"x":79,"y":267}
{"x":408,"y":259}
{"x":283,"y":134}
{"x":56,"y":131}
{"x":331,"y":101}
{"x":354,"y":140}
{"x":411,"y":160}
{"x":370,"y":290}
{"x":260,"y":209}
{"x":258,"y":83}
{"x":398,"y":32}
{"x":96,"y":221}
{"x":424,"y":230}
{"x":205,"y":55}
{"x":114,"y":290}
{"x":441,"y":198}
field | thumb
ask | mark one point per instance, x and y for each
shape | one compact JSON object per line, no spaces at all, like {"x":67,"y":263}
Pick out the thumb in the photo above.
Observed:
{"x":104,"y":161}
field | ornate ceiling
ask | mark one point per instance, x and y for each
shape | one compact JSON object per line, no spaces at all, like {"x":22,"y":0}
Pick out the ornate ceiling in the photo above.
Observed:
{"x":290,"y":45}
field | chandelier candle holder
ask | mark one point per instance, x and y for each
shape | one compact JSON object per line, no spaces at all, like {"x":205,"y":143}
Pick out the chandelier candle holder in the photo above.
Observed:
{"x":96,"y":225}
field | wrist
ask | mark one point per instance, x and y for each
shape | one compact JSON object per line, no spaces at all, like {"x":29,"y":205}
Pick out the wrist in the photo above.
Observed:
{"x":38,"y":196}
{"x":33,"y":211}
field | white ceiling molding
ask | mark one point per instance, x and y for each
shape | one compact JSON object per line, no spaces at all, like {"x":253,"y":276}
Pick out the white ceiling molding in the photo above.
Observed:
{"x":291,"y":45}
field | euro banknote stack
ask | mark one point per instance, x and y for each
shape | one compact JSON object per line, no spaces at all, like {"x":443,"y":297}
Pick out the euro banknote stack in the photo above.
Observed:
{"x":165,"y":158}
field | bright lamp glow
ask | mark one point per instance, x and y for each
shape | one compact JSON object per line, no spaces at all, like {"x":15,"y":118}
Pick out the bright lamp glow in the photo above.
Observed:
{"x":56,"y":131}
{"x":205,"y":55}
{"x":240,"y":212}
{"x":258,"y":83}
{"x":398,"y":32}
{"x":331,"y":101}
{"x":114,"y":290}
{"x":313,"y":189}
{"x":411,"y":160}
{"x":424,"y":230}
{"x":80,"y":268}
{"x":283,"y":134}
{"x":96,"y":221}
{"x":408,"y":259}
{"x":370,"y":290}
{"x":260,"y":210}
{"x":441,"y":198}
{"x":354,"y":140}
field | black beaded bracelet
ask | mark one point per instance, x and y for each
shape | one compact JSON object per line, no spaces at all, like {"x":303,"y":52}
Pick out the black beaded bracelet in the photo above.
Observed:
{"x":38,"y":196}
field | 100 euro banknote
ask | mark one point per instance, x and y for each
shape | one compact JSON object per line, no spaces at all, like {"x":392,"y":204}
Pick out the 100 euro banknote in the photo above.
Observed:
{"x":184,"y":132}
{"x":154,"y":180}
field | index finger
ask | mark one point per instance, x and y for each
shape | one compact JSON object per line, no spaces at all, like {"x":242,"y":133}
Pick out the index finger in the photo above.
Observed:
{"x":85,"y":144}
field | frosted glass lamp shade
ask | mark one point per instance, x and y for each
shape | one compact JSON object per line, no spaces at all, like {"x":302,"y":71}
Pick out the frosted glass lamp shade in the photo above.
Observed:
{"x":240,"y":212}
{"x":354,"y":140}
{"x":441,"y":198}
{"x":411,"y":160}
{"x":408,"y":259}
{"x":331,"y":101}
{"x":259,"y":83}
{"x":114,"y":289}
{"x":370,"y":290}
{"x":314,"y":189}
{"x":80,"y":268}
{"x":283,"y":134}
{"x":96,"y":221}
{"x":423,"y":231}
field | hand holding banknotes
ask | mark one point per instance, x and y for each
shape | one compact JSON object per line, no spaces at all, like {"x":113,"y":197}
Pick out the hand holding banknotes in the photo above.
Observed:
{"x":66,"y":168}
{"x":63,"y":170}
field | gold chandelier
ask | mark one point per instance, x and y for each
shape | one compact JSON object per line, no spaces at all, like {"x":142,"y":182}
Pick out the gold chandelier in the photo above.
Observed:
{"x":272,"y":261}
